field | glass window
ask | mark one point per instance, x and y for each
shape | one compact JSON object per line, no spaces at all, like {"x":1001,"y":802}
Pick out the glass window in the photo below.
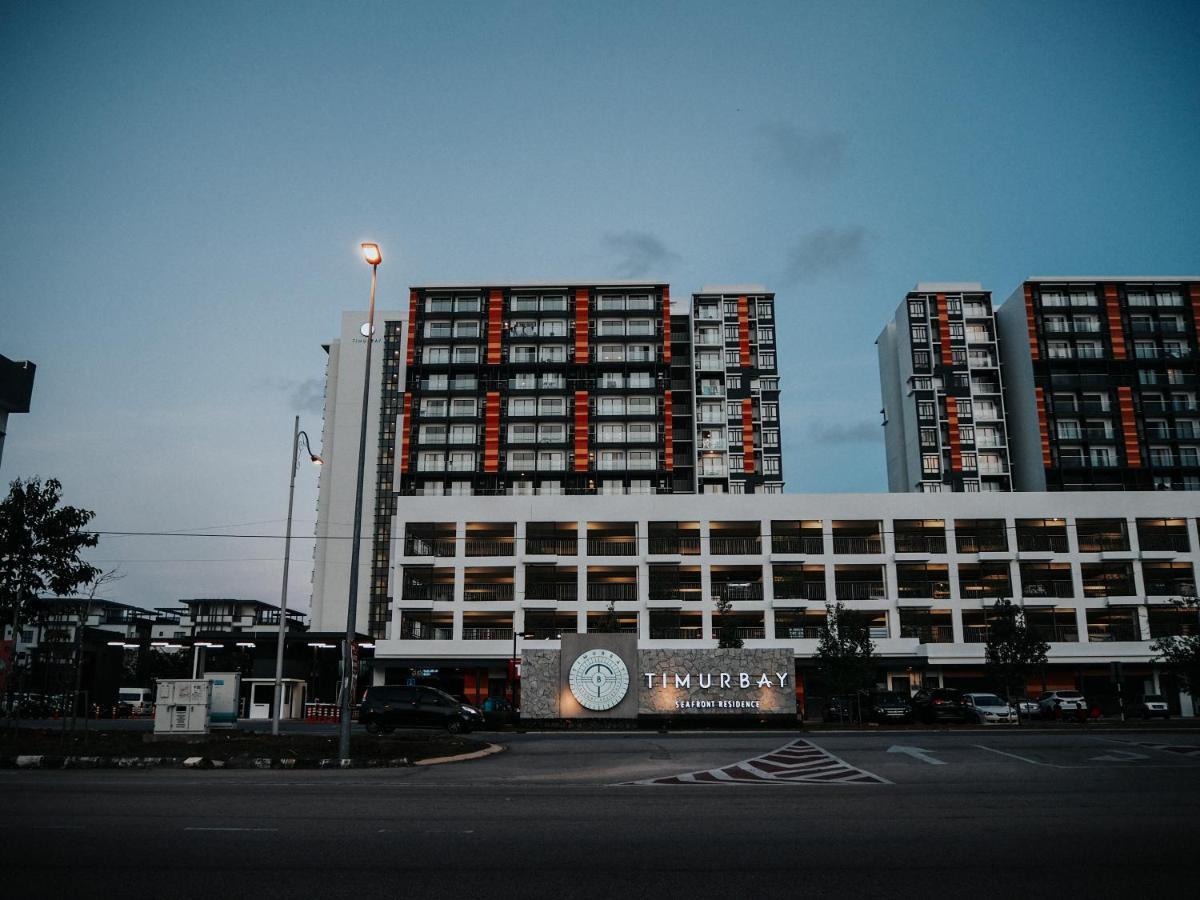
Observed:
{"x":466,"y":354}
{"x":554,"y":328}
{"x":466,"y":329}
{"x":436,"y":355}
{"x":463,"y":406}
{"x":430,"y":461}
{"x":552,"y":406}
{"x":610,"y":406}
{"x":462,"y":461}
{"x":433,"y":407}
{"x":641,"y":459}
{"x":551,"y":460}
{"x":432,"y":434}
{"x":640,"y":406}
{"x":521,"y":460}
{"x":640,"y":380}
{"x":522,"y":434}
{"x":522,"y":406}
{"x":610,"y":434}
{"x":462,"y":434}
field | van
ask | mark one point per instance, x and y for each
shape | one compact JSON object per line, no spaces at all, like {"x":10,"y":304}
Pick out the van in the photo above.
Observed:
{"x":135,"y":701}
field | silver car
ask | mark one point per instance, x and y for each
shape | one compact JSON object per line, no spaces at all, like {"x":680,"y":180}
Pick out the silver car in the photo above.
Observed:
{"x":988,"y":709}
{"x":1056,"y":704}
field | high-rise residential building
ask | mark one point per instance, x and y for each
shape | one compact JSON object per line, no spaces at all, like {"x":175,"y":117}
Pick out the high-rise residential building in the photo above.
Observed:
{"x":943,"y":392}
{"x":1103,"y":382}
{"x":738,"y":439}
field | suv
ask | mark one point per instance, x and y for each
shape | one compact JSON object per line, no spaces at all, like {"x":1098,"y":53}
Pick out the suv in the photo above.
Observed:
{"x":939,"y":705}
{"x":388,"y":707}
{"x":889,"y":706}
{"x":1054,"y":704}
{"x":1150,"y":705}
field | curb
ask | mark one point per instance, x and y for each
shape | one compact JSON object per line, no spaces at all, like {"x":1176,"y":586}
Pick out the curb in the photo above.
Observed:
{"x":489,"y":750}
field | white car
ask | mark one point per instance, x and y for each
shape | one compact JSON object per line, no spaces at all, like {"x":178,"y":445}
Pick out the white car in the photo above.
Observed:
{"x":988,"y":709}
{"x":1056,"y":704}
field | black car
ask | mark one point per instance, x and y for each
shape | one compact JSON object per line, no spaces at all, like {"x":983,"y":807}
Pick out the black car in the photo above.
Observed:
{"x":388,"y":707}
{"x":939,"y":705}
{"x":889,"y":706}
{"x":845,"y":708}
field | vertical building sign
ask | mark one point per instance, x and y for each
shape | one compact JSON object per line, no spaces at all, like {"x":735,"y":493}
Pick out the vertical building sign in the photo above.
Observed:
{"x":1031,"y":325}
{"x":410,"y":353}
{"x":1116,"y":332}
{"x":944,"y":331}
{"x":743,"y":307}
{"x":581,"y":326}
{"x":666,"y":323}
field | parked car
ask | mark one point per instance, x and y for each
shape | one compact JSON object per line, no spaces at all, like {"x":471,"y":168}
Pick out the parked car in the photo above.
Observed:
{"x":498,"y":711}
{"x":388,"y":707}
{"x":939,"y":705}
{"x":845,"y":708}
{"x":889,"y":706}
{"x":1150,"y":705}
{"x":1027,"y":707}
{"x":988,"y":709}
{"x":1056,"y":704}
{"x":139,"y":701}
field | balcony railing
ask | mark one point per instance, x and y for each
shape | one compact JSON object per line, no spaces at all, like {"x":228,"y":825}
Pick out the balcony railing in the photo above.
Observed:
{"x":1048,"y":589}
{"x":1098,"y":633}
{"x":920,"y":543}
{"x":1101,"y":543}
{"x":1173,"y":629}
{"x":427,"y":633}
{"x":857,"y":544}
{"x":487,"y":592}
{"x":482,"y":633}
{"x":685,"y":544}
{"x":936,"y":590}
{"x":1170,"y":588}
{"x":795,"y":589}
{"x":423,"y":547}
{"x":798,"y":632}
{"x":1176,"y":542}
{"x":860,"y":590}
{"x":981,"y":543}
{"x":492,"y":547}
{"x":1057,"y":633}
{"x":928,"y":634}
{"x":751,"y":632}
{"x":612,"y":546}
{"x":545,"y":634}
{"x":676,"y":634}
{"x":551,"y":590}
{"x":551,"y":546}
{"x":735,"y":546}
{"x":435,"y":592}
{"x":612,"y":592}
{"x":737,"y":591}
{"x":1106,"y":588}
{"x":968,"y":589}
{"x":1046,"y":543}
{"x":809,"y":545}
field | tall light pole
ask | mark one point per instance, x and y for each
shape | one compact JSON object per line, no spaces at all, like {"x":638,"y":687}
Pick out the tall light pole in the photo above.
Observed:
{"x":373,"y":257}
{"x":287,"y":552}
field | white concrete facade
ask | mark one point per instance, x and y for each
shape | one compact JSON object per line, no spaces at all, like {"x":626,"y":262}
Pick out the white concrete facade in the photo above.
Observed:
{"x":1082,"y":602}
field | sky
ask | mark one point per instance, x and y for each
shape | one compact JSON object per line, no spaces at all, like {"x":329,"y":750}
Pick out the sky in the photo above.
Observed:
{"x":184,"y":186}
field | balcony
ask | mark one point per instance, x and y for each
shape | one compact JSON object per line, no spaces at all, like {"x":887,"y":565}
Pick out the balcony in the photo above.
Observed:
{"x":735,"y":546}
{"x":917,"y":543}
{"x":1042,"y":543}
{"x":671,"y":546}
{"x":1053,"y":588}
{"x":860,"y":590}
{"x":414,"y":546}
{"x":479,"y":633}
{"x":928,"y":634}
{"x":804,"y":545}
{"x":795,"y":589}
{"x":607,"y":592}
{"x":798,"y":632}
{"x":490,"y":547}
{"x":924,"y":590}
{"x":1182,"y":587}
{"x":676,"y":634}
{"x":737,"y":592}
{"x":1100,"y":633}
{"x":483,"y":592}
{"x":435,"y":633}
{"x":626,"y":546}
{"x":551,"y":590}
{"x":438,"y":593}
{"x":857,"y":544}
{"x":542,"y":546}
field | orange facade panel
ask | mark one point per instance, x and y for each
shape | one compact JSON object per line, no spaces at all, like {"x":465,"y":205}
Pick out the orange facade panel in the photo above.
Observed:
{"x":1031,"y":324}
{"x":944,"y":331}
{"x":1133,"y":452}
{"x":1043,"y":427}
{"x":410,"y":355}
{"x":1116,"y":331}
{"x":405,"y":428}
{"x":748,"y":435}
{"x":495,"y":325}
{"x":668,"y":432}
{"x":581,"y":431}
{"x":581,"y":325}
{"x":491,"y":432}
{"x":1194,"y":290}
{"x":955,"y":440}
{"x":744,"y":331}
{"x":666,"y":320}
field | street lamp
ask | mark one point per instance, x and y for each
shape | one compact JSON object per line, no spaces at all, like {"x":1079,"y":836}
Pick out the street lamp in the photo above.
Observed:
{"x":373,"y":257}
{"x":277,"y":714}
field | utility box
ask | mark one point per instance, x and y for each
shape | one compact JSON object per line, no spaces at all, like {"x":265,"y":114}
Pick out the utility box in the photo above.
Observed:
{"x":182,"y":706}
{"x":225,"y":699}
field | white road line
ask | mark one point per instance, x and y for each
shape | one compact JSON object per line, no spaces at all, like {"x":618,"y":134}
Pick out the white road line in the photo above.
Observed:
{"x":1032,"y":762}
{"x":198,"y":828}
{"x":57,"y":827}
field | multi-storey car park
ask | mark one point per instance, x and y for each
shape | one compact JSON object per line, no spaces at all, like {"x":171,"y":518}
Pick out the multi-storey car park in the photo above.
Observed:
{"x":943,"y":393}
{"x":1104,"y":382}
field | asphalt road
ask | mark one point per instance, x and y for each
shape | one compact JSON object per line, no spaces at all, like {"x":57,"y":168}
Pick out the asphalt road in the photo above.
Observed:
{"x":958,"y":813}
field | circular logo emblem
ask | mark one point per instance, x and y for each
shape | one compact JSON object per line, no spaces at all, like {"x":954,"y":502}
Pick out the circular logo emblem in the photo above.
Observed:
{"x":599,"y":679}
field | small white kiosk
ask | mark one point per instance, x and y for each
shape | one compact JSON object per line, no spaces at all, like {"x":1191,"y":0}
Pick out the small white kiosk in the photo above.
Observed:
{"x":262,"y":690}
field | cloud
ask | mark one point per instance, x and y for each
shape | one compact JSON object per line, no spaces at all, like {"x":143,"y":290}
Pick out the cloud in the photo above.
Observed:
{"x":307,"y":396}
{"x":637,"y":253}
{"x":826,"y":251}
{"x":805,"y":154}
{"x":862,"y":432}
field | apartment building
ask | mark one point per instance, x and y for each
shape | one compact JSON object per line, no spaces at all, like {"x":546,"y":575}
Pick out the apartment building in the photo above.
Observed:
{"x":943,"y":392}
{"x":1095,"y":574}
{"x":1103,"y":378}
{"x":738,"y":436}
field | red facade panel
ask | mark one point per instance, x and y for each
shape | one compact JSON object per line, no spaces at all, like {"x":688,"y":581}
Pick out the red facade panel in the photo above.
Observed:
{"x":491,"y":432}
{"x":668,"y":432}
{"x":955,"y":440}
{"x":1031,"y":324}
{"x":747,"y":434}
{"x":495,"y":325}
{"x":1133,"y":452}
{"x":1194,"y":290}
{"x":666,"y":321}
{"x":405,"y":428}
{"x":1116,"y":331}
{"x":944,"y":331}
{"x":410,"y":354}
{"x":1043,"y":427}
{"x":581,"y":431}
{"x":744,"y":331}
{"x":581,"y":325}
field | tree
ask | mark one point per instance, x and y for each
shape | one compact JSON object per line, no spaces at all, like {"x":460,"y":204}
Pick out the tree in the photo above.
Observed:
{"x":1014,"y":650}
{"x":40,"y":544}
{"x":609,"y":623}
{"x":845,"y":652}
{"x":727,"y":636}
{"x":1180,"y":653}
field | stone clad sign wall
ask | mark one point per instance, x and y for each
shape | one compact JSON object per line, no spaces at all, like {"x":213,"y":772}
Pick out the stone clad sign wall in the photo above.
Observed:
{"x":716,"y":682}
{"x":707,"y":682}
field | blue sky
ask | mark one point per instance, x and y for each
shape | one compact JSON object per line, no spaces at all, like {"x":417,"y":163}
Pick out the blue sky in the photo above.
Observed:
{"x":183,"y":188}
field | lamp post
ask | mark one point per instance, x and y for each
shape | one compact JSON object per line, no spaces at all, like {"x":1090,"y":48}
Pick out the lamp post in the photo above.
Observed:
{"x":277,"y":714}
{"x":373,"y":257}
{"x":516,"y":634}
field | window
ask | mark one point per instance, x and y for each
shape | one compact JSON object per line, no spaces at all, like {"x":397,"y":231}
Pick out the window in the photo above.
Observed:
{"x":921,"y":359}
{"x":733,"y":410}
{"x":639,"y":327}
{"x":429,"y":461}
{"x":765,"y":309}
{"x":639,"y":302}
{"x":966,"y":434}
{"x":523,"y":353}
{"x":552,"y":406}
{"x":640,"y":406}
{"x":437,"y":382}
{"x":734,"y":382}
{"x":610,"y":406}
{"x":931,"y":464}
{"x":551,"y":460}
{"x":612,"y":352}
{"x":1161,"y":456}
{"x":766,"y":360}
{"x":641,"y":433}
{"x":523,"y":328}
{"x":916,"y":309}
{"x":611,"y":459}
{"x":926,"y":409}
{"x":552,"y":353}
{"x":432,"y":434}
{"x":610,"y":302}
{"x":554,"y":304}
{"x":1058,"y":350}
{"x":466,"y":354}
{"x":553,"y":328}
{"x":771,"y":465}
{"x":522,"y":488}
{"x":968,"y":461}
{"x":1103,"y":456}
{"x":466,"y":329}
{"x":1189,"y":456}
{"x":552,"y":433}
{"x":737,"y":462}
{"x":436,"y":355}
{"x":920,"y":334}
{"x":964,"y":409}
{"x":766,"y":335}
{"x":459,"y":488}
{"x":640,"y":380}
{"x":550,"y":487}
{"x":433,"y":408}
{"x":462,"y":434}
{"x":463,"y":406}
{"x":731,"y":308}
{"x":522,"y":406}
{"x":552,"y":381}
{"x":438,"y":304}
{"x":462,"y":461}
{"x":922,"y":384}
{"x":521,"y":460}
{"x":732,"y":333}
{"x":957,"y":332}
{"x":640,"y":486}
{"x":430,"y":489}
{"x":954,"y":306}
{"x":522,"y":434}
{"x":523,"y":303}
{"x":641,"y":459}
{"x":770,"y":437}
{"x":466,"y":304}
{"x":610,"y":327}
{"x":770,"y":412}
{"x":609,"y":486}
{"x":610,"y":434}
{"x":523,"y":381}
{"x":437,"y":329}
{"x":611,"y":380}
{"x":733,"y":358}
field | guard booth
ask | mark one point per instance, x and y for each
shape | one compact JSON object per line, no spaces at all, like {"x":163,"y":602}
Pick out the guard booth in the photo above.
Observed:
{"x":260,"y":691}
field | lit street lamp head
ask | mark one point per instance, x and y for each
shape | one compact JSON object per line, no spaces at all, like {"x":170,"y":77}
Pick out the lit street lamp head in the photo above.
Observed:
{"x":372,"y":254}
